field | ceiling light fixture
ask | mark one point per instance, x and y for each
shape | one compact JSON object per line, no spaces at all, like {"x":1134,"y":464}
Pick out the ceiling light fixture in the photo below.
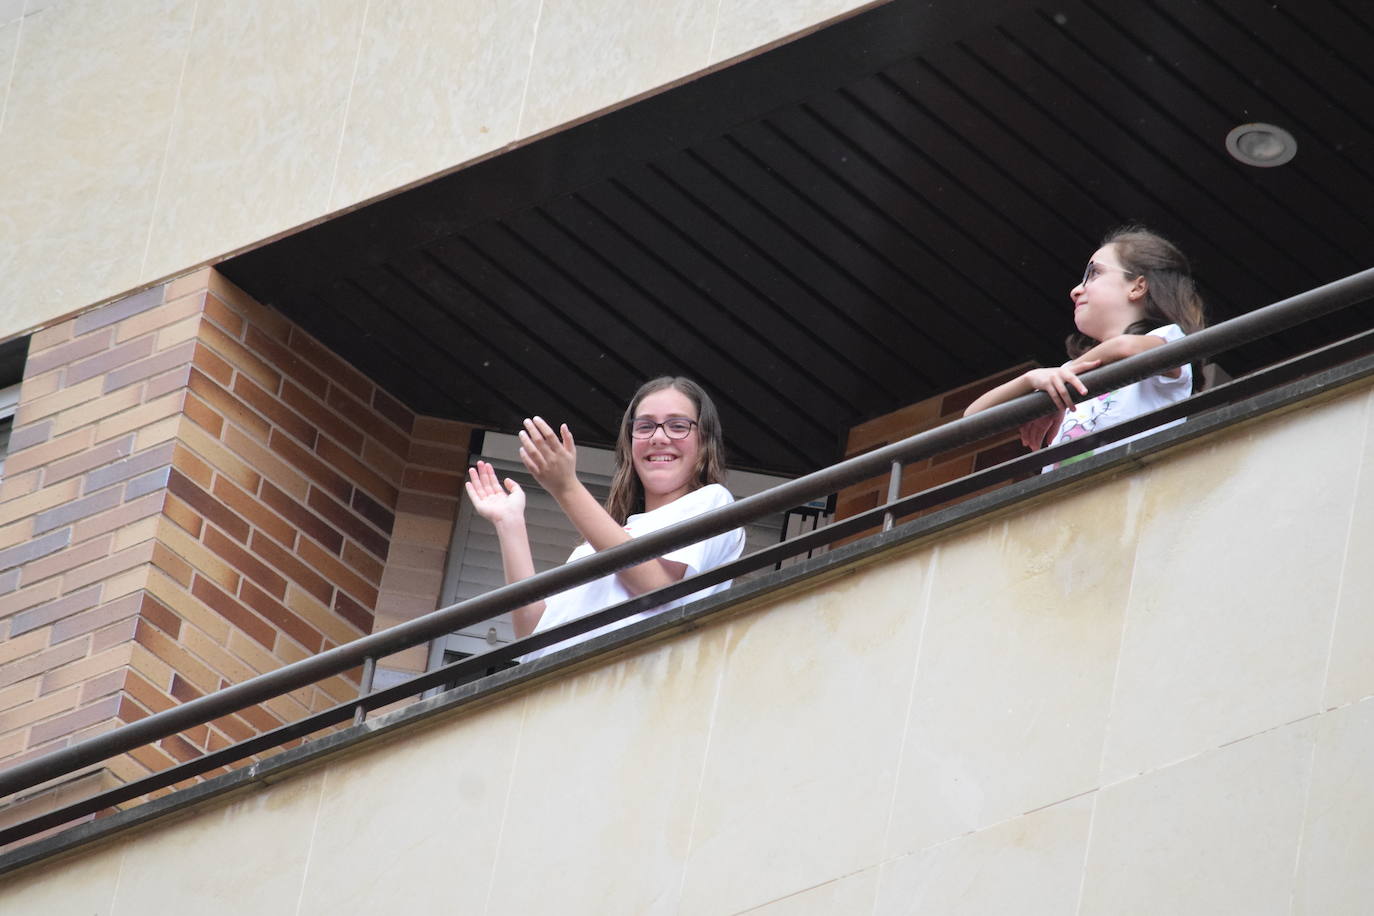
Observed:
{"x":1261,"y":145}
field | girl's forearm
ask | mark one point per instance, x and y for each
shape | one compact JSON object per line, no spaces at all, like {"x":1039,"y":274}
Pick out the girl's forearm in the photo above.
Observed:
{"x":1007,"y":391}
{"x":518,"y":562}
{"x":595,"y":524}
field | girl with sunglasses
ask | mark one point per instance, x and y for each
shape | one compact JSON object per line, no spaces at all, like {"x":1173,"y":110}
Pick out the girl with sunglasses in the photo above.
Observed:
{"x":1136,"y":293}
{"x":669,"y":467}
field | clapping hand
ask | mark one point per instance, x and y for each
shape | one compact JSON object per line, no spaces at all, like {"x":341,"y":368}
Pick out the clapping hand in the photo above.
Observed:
{"x":490,"y":500}
{"x":551,"y":457}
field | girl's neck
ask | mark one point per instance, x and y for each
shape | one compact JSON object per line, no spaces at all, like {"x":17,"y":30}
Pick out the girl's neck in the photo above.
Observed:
{"x":654,"y":501}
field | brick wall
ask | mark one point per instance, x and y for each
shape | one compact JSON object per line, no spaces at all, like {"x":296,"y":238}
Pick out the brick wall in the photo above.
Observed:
{"x":197,"y":492}
{"x":942,"y":468}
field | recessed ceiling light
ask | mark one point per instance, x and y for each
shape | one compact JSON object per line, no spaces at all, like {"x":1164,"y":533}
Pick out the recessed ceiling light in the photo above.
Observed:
{"x":1261,"y":145}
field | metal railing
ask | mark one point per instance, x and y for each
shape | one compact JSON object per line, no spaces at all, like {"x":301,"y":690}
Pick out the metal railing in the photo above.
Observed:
{"x":891,"y":459}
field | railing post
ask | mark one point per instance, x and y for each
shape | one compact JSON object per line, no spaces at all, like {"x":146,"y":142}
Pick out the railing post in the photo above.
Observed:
{"x":364,"y":688}
{"x":894,"y":488}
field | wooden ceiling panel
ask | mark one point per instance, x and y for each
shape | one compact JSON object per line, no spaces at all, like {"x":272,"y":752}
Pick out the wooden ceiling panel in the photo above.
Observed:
{"x":858,"y":220}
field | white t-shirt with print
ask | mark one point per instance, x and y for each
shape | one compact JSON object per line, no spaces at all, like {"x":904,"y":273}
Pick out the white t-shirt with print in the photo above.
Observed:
{"x":608,"y":590}
{"x":1123,"y":404}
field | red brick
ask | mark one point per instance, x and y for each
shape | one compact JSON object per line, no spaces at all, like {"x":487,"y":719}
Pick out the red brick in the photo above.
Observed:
{"x":364,"y":563}
{"x":428,"y":505}
{"x":231,"y":610}
{"x":280,"y":615}
{"x":313,"y":468}
{"x":225,"y":317}
{"x":335,"y":369}
{"x":167,"y":382}
{"x":260,"y":718}
{"x":70,"y":558}
{"x":183,"y":690}
{"x":172,"y":564}
{"x":160,"y":616}
{"x":117,"y":634}
{"x":450,"y":458}
{"x":202,"y":415}
{"x":119,"y":310}
{"x":358,"y":473}
{"x":287,"y":360}
{"x":298,"y":572}
{"x":353,"y":612}
{"x":341,"y":429}
{"x":402,"y":417}
{"x":183,"y":515}
{"x":190,"y":464}
{"x":103,"y":685}
{"x":240,"y":357}
{"x":305,"y":520}
{"x":339,"y":574}
{"x":179,"y":748}
{"x":999,"y":453}
{"x":436,"y":482}
{"x":244,"y":562}
{"x":74,"y":721}
{"x":66,"y":354}
{"x":271,"y":407}
{"x":153,"y":759}
{"x":154,"y":699}
{"x":127,"y":514}
{"x":373,"y":511}
{"x":108,"y":360}
{"x":212,"y":364}
{"x":257,"y":514}
{"x":231,"y":407}
{"x":209,"y":508}
{"x":167,"y":360}
{"x":347,"y":522}
{"x":235,"y":728}
{"x":106,"y":614}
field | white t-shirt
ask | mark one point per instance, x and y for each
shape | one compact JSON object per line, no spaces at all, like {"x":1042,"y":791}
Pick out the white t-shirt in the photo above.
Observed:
{"x":608,"y":590}
{"x":1123,"y":404}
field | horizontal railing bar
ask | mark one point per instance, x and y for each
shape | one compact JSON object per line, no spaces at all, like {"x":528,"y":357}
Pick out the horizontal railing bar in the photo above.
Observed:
{"x":1191,"y":348}
{"x":1306,"y":365}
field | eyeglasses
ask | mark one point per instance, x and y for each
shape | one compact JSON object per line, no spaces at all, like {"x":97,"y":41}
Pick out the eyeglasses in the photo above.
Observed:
{"x":673,"y":428}
{"x":1095,"y":270}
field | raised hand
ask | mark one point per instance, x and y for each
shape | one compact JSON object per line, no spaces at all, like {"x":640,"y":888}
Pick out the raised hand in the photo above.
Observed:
{"x":551,"y":457}
{"x":490,"y":500}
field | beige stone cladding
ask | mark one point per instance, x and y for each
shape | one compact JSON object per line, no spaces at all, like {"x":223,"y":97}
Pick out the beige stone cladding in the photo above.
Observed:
{"x":198,"y":492}
{"x":1136,"y":695}
{"x":235,"y":122}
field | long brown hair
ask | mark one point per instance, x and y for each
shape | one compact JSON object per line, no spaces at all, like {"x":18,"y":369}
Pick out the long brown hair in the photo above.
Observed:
{"x":1171,"y":296}
{"x":627,"y":492}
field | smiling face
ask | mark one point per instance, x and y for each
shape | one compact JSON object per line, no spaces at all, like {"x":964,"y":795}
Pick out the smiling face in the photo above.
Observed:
{"x":667,"y":468}
{"x":1110,"y":299}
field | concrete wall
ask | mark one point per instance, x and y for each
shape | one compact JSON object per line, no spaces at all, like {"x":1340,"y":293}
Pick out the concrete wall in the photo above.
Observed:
{"x":139,"y":138}
{"x":1150,"y":694}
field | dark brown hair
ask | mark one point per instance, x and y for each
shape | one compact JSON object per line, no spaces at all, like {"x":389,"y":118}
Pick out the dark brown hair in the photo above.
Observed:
{"x":627,"y":492}
{"x":1171,"y":297}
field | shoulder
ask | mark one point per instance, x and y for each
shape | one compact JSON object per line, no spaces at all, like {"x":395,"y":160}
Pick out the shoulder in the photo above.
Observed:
{"x":1168,"y":332}
{"x":703,"y":499}
{"x":714,"y":494}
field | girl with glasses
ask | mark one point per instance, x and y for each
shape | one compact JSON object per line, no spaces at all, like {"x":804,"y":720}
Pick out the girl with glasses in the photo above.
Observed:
{"x":1136,"y":293}
{"x":669,"y":467}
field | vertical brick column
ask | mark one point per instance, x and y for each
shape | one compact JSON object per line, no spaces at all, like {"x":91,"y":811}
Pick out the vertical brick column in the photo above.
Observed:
{"x":425,"y":512}
{"x":942,"y":468}
{"x":197,"y":492}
